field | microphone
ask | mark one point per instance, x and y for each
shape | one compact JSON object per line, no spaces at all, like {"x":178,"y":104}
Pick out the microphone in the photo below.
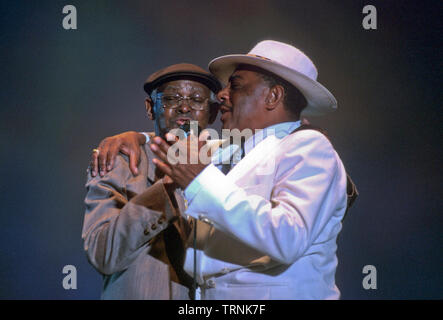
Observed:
{"x":186,"y":127}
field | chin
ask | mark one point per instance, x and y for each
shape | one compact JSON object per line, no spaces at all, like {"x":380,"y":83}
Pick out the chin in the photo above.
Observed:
{"x":227,"y":125}
{"x":172,"y":125}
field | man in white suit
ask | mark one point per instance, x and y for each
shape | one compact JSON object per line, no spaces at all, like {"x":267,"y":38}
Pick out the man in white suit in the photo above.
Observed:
{"x":266,"y":234}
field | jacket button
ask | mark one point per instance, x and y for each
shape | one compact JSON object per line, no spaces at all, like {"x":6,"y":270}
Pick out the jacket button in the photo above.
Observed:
{"x":225,"y":270}
{"x":154,"y":226}
{"x":146,"y":232}
{"x":161,"y":220}
{"x":211,"y":283}
{"x":205,"y":220}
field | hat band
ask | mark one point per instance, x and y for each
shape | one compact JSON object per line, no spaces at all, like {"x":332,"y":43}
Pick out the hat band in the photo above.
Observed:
{"x":257,"y":56}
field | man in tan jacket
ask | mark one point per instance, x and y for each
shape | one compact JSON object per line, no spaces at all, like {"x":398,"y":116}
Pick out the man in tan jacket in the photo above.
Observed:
{"x":133,"y":232}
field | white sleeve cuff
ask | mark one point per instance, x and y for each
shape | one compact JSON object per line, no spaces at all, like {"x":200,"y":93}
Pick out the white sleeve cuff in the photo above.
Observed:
{"x":146,"y":135}
{"x":207,"y":192}
{"x":194,"y":187}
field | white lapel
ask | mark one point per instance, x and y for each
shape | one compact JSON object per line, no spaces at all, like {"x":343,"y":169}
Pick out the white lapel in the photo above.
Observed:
{"x":259,"y":161}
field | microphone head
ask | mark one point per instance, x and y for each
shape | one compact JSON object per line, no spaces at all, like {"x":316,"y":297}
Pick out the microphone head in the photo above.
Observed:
{"x":186,"y":127}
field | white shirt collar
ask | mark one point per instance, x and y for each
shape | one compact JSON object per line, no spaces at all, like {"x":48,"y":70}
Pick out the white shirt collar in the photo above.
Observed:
{"x":279,"y":130}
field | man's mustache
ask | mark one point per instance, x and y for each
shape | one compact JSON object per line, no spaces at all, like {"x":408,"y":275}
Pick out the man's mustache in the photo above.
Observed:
{"x":224,"y":107}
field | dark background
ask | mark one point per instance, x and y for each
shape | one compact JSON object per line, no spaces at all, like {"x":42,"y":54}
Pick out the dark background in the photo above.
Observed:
{"x":62,"y":91}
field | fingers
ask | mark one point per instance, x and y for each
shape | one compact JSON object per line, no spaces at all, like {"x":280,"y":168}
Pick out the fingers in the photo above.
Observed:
{"x":204,"y":135}
{"x":102,"y":161}
{"x":127,"y":142}
{"x":102,"y":156}
{"x":167,"y":180}
{"x":160,"y":148}
{"x":171,"y":138}
{"x":190,"y":148}
{"x":163,"y":145}
{"x":134,"y":159}
{"x":159,"y":152}
{"x":93,"y":165}
{"x":163,"y":167}
{"x":110,"y":157}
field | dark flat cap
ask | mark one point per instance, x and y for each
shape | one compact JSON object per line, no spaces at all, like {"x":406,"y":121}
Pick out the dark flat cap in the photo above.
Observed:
{"x":181,"y":71}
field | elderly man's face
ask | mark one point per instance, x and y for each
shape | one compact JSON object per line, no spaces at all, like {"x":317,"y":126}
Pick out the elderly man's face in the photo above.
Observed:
{"x":177,"y":112}
{"x":242,"y":101}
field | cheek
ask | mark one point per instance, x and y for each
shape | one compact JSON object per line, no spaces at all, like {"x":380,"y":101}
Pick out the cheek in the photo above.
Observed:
{"x":244,"y":111}
{"x":202,"y":118}
{"x":168,"y":115}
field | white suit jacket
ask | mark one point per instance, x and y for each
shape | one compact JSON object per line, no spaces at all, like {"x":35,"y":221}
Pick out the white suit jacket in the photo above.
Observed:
{"x":271,"y":222}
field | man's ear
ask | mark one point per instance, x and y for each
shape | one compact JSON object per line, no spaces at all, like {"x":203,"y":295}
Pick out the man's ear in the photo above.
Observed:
{"x":149,"y":108}
{"x":214,"y":107}
{"x":275,"y":95}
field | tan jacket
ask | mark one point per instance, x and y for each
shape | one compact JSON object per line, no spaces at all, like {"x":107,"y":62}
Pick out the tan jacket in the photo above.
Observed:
{"x":122,"y":232}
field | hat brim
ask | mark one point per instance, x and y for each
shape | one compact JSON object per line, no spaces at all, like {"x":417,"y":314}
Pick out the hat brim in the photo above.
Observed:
{"x":319,"y":100}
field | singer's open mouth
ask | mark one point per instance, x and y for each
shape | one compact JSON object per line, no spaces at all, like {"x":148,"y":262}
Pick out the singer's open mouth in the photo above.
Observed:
{"x":182,"y":121}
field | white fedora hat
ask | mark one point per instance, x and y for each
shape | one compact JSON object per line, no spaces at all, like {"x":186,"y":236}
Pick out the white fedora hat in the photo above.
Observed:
{"x":288,"y":63}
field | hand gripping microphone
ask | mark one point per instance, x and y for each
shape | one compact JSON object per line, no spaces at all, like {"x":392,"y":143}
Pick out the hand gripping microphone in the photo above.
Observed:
{"x":186,"y":127}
